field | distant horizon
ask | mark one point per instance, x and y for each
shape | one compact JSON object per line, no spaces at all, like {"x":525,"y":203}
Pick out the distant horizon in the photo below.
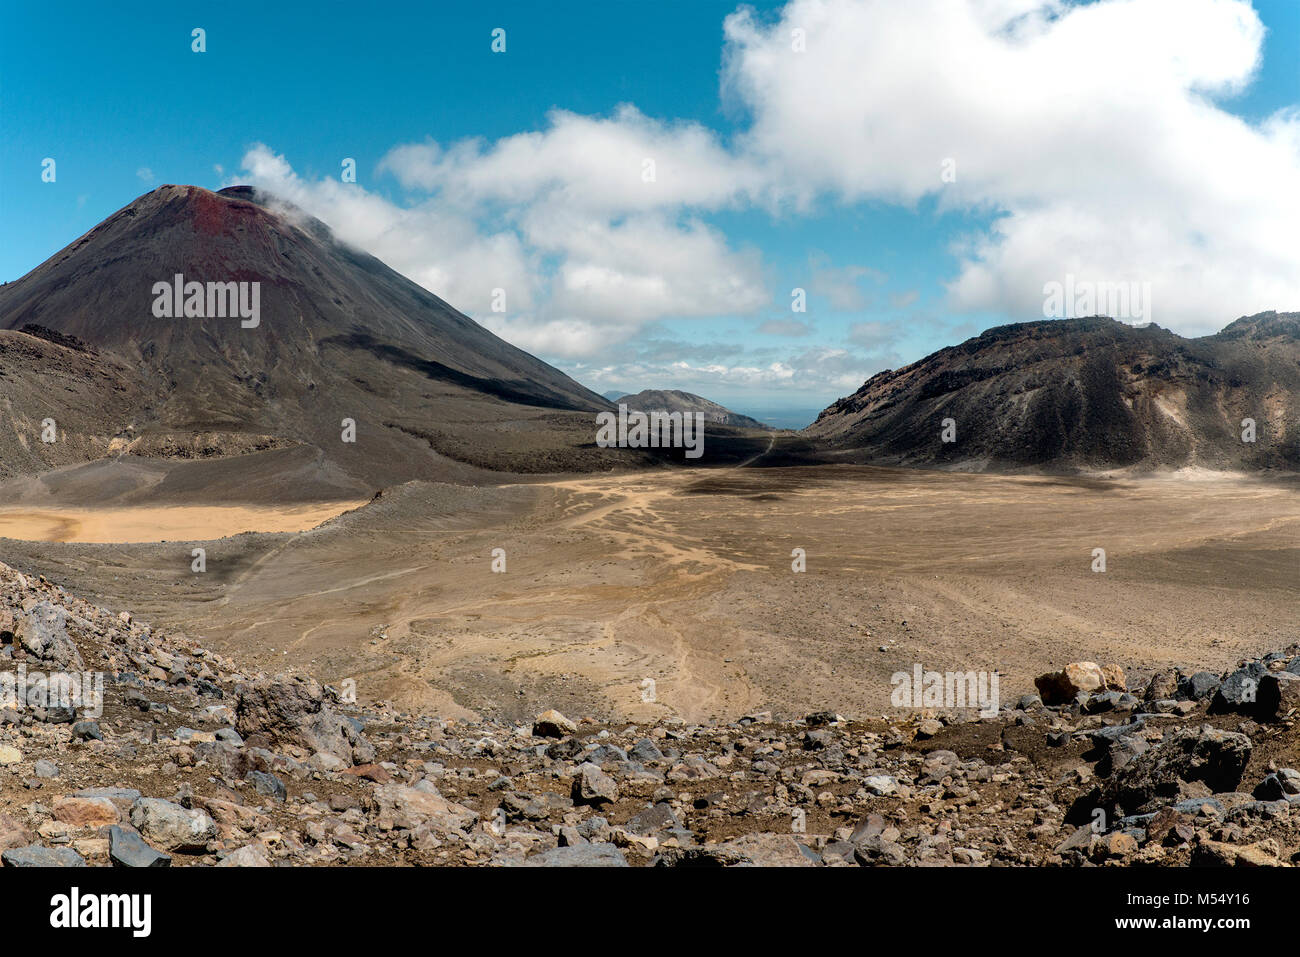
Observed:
{"x":785,"y":416}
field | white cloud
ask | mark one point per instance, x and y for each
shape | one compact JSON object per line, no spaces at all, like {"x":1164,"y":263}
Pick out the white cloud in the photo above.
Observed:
{"x":644,"y":267}
{"x":578,"y":277}
{"x":442,"y":249}
{"x":1089,"y":129}
{"x":595,"y":165}
{"x":811,"y":372}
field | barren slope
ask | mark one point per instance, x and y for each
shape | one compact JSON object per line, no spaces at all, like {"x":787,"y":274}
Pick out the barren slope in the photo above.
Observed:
{"x":1084,"y":393}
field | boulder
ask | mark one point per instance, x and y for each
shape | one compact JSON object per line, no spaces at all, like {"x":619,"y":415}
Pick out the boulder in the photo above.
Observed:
{"x":87,"y":731}
{"x":1170,"y":826}
{"x":399,"y":807}
{"x":171,"y":826}
{"x":268,"y":785}
{"x":659,"y":817}
{"x":1163,"y":686}
{"x":552,"y":724}
{"x":749,"y":850}
{"x":645,"y":751}
{"x":1199,"y":686}
{"x":250,"y":855}
{"x":578,"y":855}
{"x":1061,"y":687}
{"x":1113,"y":676}
{"x":1240,"y":690}
{"x":13,"y":833}
{"x":1279,"y":694}
{"x":878,"y":851}
{"x":293,"y":710}
{"x":1221,"y":854}
{"x":127,"y":849}
{"x":1281,"y":785}
{"x":86,"y":811}
{"x":594,"y":786}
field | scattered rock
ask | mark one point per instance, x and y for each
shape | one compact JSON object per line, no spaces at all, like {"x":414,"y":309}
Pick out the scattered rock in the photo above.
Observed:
{"x":1207,"y":755}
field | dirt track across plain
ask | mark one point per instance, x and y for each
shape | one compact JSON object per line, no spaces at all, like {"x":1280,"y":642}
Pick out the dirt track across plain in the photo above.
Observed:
{"x":673,"y":592}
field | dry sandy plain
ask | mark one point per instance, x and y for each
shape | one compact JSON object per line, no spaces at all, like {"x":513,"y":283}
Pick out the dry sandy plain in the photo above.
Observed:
{"x":684,"y":577}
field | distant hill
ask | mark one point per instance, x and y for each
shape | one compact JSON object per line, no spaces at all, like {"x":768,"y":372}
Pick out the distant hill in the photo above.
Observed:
{"x":1083,"y":393}
{"x":674,"y":400}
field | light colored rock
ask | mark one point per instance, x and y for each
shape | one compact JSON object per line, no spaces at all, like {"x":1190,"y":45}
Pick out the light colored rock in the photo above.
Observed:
{"x":250,"y":855}
{"x":170,"y":826}
{"x":407,"y":808}
{"x":1113,"y":675}
{"x":880,"y":784}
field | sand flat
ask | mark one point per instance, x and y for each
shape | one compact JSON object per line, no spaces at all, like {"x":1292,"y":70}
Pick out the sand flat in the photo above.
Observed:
{"x":161,"y":523}
{"x":684,"y":580}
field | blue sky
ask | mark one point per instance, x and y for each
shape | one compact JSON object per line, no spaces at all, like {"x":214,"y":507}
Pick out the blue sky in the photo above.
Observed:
{"x":1135,"y":142}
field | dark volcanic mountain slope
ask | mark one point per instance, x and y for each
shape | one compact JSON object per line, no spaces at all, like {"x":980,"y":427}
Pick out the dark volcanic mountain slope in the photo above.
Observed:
{"x":1084,"y":393}
{"x":44,"y":376}
{"x":674,"y":400}
{"x":340,"y":336}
